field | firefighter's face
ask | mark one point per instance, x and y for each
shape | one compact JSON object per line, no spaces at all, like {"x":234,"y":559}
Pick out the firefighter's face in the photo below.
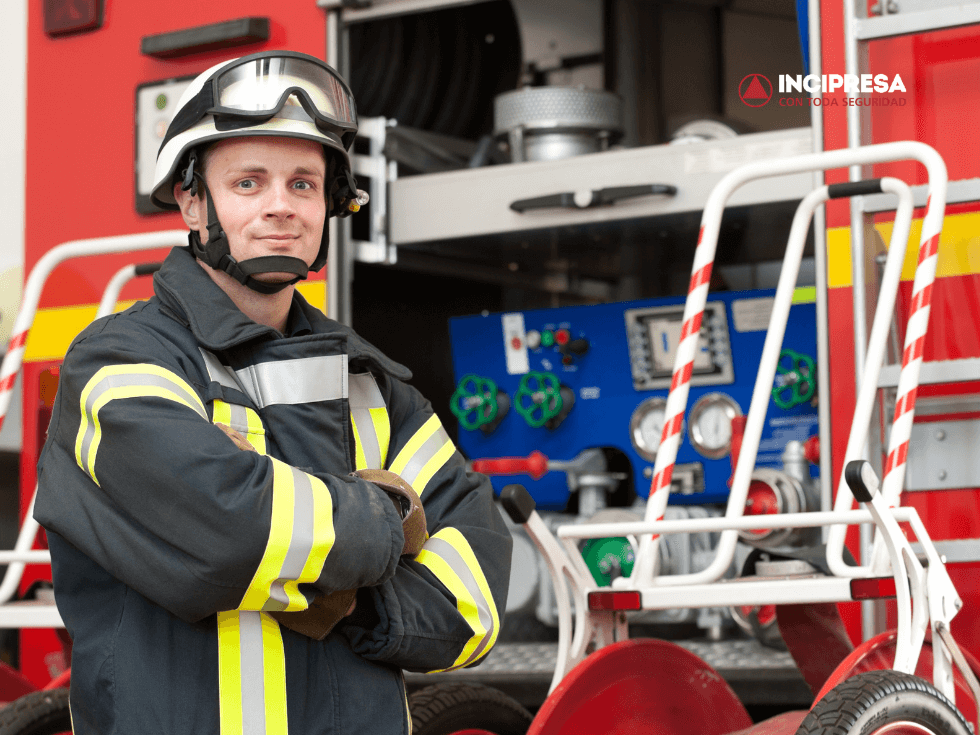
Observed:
{"x":269,"y":196}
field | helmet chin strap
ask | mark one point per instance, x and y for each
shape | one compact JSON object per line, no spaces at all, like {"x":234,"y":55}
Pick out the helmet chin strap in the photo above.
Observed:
{"x":217,"y":254}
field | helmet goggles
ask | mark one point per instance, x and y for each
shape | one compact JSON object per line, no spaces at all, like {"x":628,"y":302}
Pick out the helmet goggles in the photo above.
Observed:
{"x":256,"y":88}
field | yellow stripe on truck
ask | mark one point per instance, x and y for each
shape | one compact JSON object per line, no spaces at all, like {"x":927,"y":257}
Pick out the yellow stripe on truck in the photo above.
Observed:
{"x":959,"y":249}
{"x":53,"y":329}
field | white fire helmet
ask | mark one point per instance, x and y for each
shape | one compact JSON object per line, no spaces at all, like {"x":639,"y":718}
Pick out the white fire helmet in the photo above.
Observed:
{"x":272,"y":93}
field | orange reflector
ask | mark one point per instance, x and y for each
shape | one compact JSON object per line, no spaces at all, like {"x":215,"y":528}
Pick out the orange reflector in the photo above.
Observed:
{"x":872,"y":589}
{"x":614,"y":601}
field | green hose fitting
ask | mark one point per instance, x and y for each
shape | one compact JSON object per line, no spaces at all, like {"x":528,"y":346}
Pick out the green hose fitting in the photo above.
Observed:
{"x":795,"y":379}
{"x":538,"y":398}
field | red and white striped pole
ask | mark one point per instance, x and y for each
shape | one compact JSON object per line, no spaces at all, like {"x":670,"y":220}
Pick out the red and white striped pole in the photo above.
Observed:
{"x":915,"y":334}
{"x":14,"y":358}
{"x":645,"y":568}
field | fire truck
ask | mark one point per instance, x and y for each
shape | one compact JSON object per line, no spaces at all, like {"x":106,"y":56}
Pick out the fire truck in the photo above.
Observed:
{"x":476,"y":218}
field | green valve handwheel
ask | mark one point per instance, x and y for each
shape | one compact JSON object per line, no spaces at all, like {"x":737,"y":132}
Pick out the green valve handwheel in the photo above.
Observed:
{"x":608,"y":558}
{"x":475,"y":401}
{"x":795,"y":379}
{"x":538,"y":398}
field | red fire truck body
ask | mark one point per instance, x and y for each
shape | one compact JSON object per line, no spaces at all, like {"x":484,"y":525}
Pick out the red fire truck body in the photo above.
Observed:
{"x":938,"y":108}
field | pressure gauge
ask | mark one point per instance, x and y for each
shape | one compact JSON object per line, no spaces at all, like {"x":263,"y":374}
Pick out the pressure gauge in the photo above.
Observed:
{"x":711,"y":425}
{"x":647,"y":425}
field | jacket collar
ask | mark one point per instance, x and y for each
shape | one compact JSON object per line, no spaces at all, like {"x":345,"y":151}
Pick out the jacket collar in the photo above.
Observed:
{"x":218,"y":324}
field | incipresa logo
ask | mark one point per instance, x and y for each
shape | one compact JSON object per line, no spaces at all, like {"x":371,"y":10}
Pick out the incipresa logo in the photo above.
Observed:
{"x":862,"y":90}
{"x":755,"y":90}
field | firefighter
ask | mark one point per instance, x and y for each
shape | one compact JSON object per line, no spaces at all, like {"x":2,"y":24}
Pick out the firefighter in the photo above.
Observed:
{"x":255,"y":523}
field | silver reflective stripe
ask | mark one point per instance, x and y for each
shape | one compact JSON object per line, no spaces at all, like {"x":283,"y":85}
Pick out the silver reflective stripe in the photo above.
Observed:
{"x":456,"y":563}
{"x":238,"y":418}
{"x":304,"y":380}
{"x":301,"y":542}
{"x":126,"y":380}
{"x":221,"y":374}
{"x":253,"y":673}
{"x":426,"y":452}
{"x":365,"y":395}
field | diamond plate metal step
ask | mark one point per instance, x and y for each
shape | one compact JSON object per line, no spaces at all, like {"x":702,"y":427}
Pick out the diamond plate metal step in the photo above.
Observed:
{"x":758,"y":675}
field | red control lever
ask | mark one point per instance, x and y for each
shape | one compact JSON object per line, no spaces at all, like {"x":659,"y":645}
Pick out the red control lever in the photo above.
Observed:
{"x":738,"y":432}
{"x":535,"y":464}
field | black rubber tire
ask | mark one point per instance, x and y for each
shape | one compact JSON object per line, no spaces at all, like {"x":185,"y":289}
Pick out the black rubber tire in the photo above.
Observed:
{"x":448,"y":708}
{"x":866,"y":702}
{"x":37,"y":713}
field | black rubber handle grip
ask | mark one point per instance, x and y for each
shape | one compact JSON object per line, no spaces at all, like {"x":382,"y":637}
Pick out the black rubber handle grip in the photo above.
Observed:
{"x":565,"y":200}
{"x":616,"y":193}
{"x":854,"y":189}
{"x":518,"y":503}
{"x":147,"y":269}
{"x":853,"y":476}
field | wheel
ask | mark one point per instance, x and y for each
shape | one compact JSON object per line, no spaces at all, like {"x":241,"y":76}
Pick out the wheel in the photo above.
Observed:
{"x":884,"y":703}
{"x":37,"y":713}
{"x":455,"y":709}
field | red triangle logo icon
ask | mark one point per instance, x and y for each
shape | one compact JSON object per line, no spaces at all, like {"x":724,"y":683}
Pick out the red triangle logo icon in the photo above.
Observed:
{"x":755,"y":90}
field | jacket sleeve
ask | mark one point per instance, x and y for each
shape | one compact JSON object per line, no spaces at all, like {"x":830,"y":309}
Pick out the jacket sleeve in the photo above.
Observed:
{"x":135,"y":476}
{"x":442,"y":610}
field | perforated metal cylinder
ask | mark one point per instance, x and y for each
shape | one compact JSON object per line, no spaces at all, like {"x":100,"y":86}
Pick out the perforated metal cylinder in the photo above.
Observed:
{"x":537,"y":108}
{"x":549,"y":123}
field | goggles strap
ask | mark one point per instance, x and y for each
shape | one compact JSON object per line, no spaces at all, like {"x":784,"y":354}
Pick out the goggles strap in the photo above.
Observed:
{"x":217,"y":253}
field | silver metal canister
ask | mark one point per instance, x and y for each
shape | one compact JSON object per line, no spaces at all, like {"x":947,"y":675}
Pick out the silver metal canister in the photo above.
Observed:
{"x":551,"y":123}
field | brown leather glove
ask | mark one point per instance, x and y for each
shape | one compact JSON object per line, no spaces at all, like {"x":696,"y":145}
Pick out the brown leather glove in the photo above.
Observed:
{"x":236,"y":436}
{"x":321,"y":616}
{"x":407,"y":502}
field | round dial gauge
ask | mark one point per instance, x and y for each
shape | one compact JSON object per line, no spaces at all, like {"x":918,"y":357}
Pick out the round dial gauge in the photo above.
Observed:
{"x":711,"y":425}
{"x":647,"y":425}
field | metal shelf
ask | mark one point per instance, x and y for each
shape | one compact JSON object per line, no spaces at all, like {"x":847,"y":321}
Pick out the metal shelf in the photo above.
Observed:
{"x":477,"y":202}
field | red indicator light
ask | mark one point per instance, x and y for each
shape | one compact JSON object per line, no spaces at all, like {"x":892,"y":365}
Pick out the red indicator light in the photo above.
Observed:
{"x":516,"y":343}
{"x":562,"y":336}
{"x":614,"y":601}
{"x":876,"y":588}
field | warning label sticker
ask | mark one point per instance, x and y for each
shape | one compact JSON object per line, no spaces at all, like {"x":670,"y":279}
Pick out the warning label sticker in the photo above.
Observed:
{"x":752,"y":315}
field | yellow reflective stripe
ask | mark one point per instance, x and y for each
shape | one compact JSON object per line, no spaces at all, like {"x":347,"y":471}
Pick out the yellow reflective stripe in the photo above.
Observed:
{"x":369,"y":417}
{"x":382,"y":429}
{"x":116,"y":382}
{"x":450,"y":558}
{"x":432,"y":466}
{"x":221,"y":413}
{"x":415,"y":443}
{"x":301,"y":535}
{"x":251,"y":675}
{"x":274,"y":665}
{"x":256,"y":432}
{"x":241,"y":419}
{"x":229,"y":673}
{"x":360,"y":461}
{"x":424,"y":454}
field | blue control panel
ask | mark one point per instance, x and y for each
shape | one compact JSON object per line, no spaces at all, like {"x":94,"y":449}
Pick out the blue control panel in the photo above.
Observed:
{"x":564,"y":380}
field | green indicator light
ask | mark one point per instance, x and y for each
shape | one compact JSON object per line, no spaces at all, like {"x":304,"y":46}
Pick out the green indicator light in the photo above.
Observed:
{"x":547,"y":338}
{"x":161,"y":101}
